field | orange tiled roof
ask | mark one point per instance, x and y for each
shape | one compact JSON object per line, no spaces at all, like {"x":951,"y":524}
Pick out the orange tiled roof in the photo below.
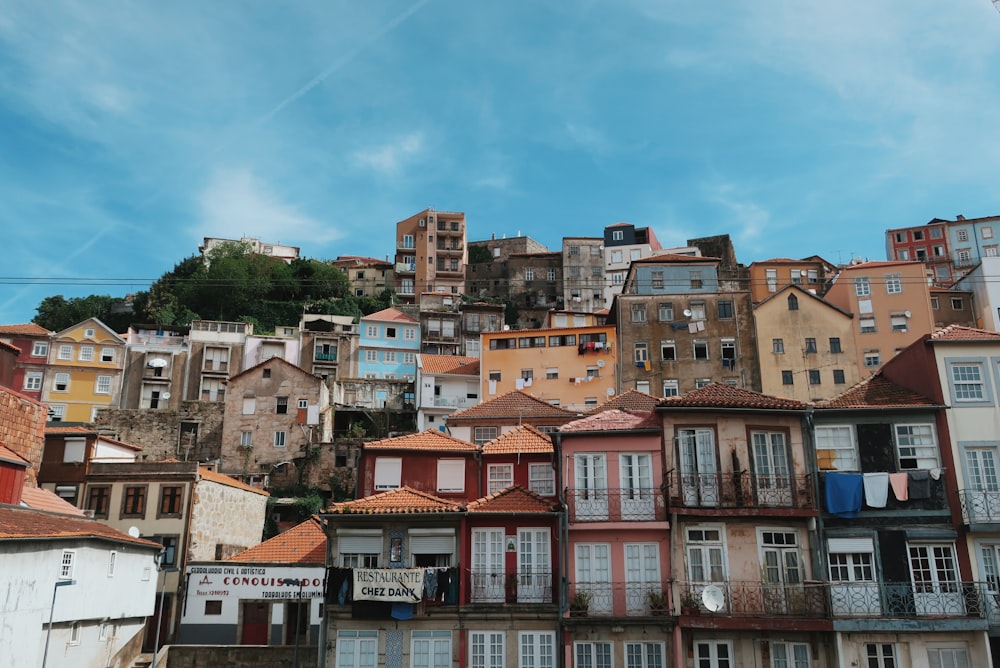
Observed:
{"x":27,"y":329}
{"x":449,"y":364}
{"x":389,"y":315}
{"x":18,"y":523}
{"x":514,"y":499}
{"x":964,"y":334}
{"x":877,"y":392}
{"x":37,"y":498}
{"x":402,"y":501}
{"x":77,"y":429}
{"x":614,"y":420}
{"x":516,"y":403}
{"x":429,"y":439}
{"x":522,"y":439}
{"x":11,"y":457}
{"x":304,"y":543}
{"x":875,"y":264}
{"x":630,"y":400}
{"x":12,"y":348}
{"x":222,"y":479}
{"x":717,"y":395}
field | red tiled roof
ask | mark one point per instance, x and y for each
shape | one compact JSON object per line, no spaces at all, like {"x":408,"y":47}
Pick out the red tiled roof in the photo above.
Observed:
{"x":514,"y":499}
{"x":389,"y":315}
{"x":37,"y":498}
{"x":77,"y":429}
{"x":717,"y":395}
{"x":12,"y":348}
{"x":405,"y":501}
{"x":304,"y":543}
{"x":222,"y":479}
{"x":964,"y":334}
{"x":516,"y":403}
{"x":272,"y":360}
{"x":27,"y":329}
{"x":18,"y":523}
{"x":877,"y":392}
{"x":429,"y":439}
{"x":614,"y":420}
{"x":11,"y":457}
{"x":875,"y":264}
{"x":522,"y":439}
{"x":449,"y":364}
{"x":630,"y":400}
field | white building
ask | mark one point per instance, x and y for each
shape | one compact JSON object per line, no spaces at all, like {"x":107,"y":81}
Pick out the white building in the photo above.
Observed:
{"x":445,"y":384}
{"x":982,"y":282}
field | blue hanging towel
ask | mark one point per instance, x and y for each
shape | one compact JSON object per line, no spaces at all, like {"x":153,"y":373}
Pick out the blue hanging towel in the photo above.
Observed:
{"x":402,"y":611}
{"x":843,"y":494}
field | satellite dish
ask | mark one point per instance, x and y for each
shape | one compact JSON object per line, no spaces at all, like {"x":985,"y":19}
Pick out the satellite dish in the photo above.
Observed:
{"x":133,"y":531}
{"x":165,"y":395}
{"x":712,"y":598}
{"x":158,"y":362}
{"x":687,"y":313}
{"x":611,"y":391}
{"x":600,"y":363}
{"x":907,"y":314}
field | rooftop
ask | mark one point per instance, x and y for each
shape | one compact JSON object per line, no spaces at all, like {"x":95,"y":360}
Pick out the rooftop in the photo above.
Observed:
{"x":304,"y":543}
{"x":718,"y":395}
{"x":522,"y":439}
{"x":429,"y":439}
{"x":614,"y":420}
{"x":514,"y":499}
{"x":514,"y":404}
{"x":402,"y":501}
{"x":877,"y":392}
{"x":449,"y":364}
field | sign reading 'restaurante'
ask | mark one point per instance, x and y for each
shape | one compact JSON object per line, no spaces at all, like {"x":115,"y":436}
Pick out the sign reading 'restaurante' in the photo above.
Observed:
{"x":396,"y":585}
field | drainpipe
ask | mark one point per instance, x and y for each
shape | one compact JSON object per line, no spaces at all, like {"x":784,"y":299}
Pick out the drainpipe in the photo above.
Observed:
{"x":321,"y":650}
{"x":816,"y":546}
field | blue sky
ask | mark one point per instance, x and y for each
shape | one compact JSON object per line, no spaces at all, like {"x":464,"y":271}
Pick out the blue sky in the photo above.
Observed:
{"x":131,"y":130}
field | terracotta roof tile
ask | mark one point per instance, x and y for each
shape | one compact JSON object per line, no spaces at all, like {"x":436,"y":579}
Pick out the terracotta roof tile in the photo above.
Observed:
{"x":27,"y":329}
{"x":522,"y":439}
{"x":18,"y":523}
{"x":630,"y":400}
{"x":12,"y":348}
{"x":468,"y":366}
{"x":875,"y":264}
{"x":402,"y":501}
{"x":11,"y":457}
{"x":964,"y":334}
{"x":304,"y":543}
{"x":77,"y":429}
{"x":614,"y":420}
{"x":430,"y":439}
{"x":223,"y":479}
{"x":37,"y":498}
{"x":389,"y":315}
{"x":877,"y":392}
{"x":514,"y":499}
{"x":517,"y":403}
{"x":717,"y":395}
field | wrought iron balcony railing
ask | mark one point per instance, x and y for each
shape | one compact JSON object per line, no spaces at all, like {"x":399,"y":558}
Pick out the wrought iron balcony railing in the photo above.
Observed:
{"x":618,"y":599}
{"x":500,"y":587}
{"x":905,"y":599}
{"x":980,"y":506}
{"x":615,"y":504}
{"x":741,"y":490}
{"x":755,"y":599}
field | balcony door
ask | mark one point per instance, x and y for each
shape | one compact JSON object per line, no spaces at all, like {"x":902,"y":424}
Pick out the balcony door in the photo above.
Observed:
{"x":989,"y":562}
{"x":637,"y":487}
{"x":782,"y":569}
{"x":488,"y":565}
{"x":699,"y":467}
{"x":590,"y":472}
{"x":982,"y":499}
{"x":853,"y":589}
{"x":593,"y":574}
{"x":772,"y":472}
{"x":642,"y":576}
{"x":534,"y":566}
{"x":936,"y":587}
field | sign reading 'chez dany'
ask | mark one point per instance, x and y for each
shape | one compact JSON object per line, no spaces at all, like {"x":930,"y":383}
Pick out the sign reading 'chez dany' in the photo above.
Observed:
{"x":396,"y":585}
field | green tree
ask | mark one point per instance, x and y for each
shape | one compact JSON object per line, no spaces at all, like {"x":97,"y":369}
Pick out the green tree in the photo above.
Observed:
{"x":57,"y":313}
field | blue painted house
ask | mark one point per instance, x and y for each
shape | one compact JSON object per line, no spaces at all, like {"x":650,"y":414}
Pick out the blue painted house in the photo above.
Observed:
{"x":388,"y":345}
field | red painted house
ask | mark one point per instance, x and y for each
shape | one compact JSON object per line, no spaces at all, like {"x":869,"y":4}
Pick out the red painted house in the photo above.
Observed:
{"x":32,"y":343}
{"x":429,"y":461}
{"x":523,"y":456}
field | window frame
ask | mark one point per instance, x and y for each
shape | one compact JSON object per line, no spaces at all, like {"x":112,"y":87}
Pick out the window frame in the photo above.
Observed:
{"x":134,"y":499}
{"x":493,"y":479}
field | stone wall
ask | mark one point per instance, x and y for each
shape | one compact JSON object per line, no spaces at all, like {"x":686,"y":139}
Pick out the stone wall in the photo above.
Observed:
{"x":22,"y":429}
{"x":231,"y":517}
{"x":193,"y":433}
{"x":200,"y":656}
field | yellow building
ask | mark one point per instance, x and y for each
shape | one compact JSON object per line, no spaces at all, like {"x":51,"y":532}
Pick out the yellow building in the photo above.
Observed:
{"x":572,"y":367}
{"x":85,"y":371}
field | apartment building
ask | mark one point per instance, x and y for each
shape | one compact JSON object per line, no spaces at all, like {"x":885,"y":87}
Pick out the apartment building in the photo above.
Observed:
{"x":31,"y":365}
{"x":444,"y":384}
{"x":583,"y":273}
{"x":431,"y":254}
{"x":369,"y":277}
{"x":86,"y":363}
{"x":623,"y":243}
{"x":769,"y":276}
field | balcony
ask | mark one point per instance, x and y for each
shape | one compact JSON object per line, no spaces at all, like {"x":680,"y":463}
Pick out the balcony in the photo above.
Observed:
{"x":500,"y":587}
{"x":979,"y":507}
{"x":758,"y":599}
{"x":742,"y":490}
{"x":454,"y":402}
{"x":616,"y":505}
{"x":325,"y":357}
{"x":921,"y":599}
{"x":618,"y":599}
{"x":449,"y":248}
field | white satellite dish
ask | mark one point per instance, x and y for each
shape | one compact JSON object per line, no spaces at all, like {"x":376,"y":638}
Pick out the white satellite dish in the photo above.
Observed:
{"x":687,"y":313}
{"x":158,"y":362}
{"x":907,"y":314}
{"x":600,"y":363}
{"x":165,"y":395}
{"x":611,"y":391}
{"x":712,"y":598}
{"x":133,"y":531}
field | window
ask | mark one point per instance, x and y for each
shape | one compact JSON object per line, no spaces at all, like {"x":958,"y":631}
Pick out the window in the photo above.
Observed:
{"x":39,"y":349}
{"x":666,"y":312}
{"x":918,"y":235}
{"x":541,"y":479}
{"x":812,"y":275}
{"x":112,"y":559}
{"x":33,"y":381}
{"x":657,"y":277}
{"x":964,"y":256}
{"x":574,"y":272}
{"x":956,"y":303}
{"x":787,"y":377}
{"x":529,"y":274}
{"x":430,"y":648}
{"x":408,"y":241}
{"x":893,"y":284}
{"x":702,"y":382}
{"x":668,"y":350}
{"x":671,"y":388}
{"x":872,"y":358}
{"x":482,"y":435}
{"x":249,"y":405}
{"x":451,"y":475}
{"x":881,"y":655}
{"x":66,"y":565}
{"x":169,"y":552}
{"x":900,"y":237}
{"x":279,"y":439}
{"x":170,"y":499}
{"x":795,"y":275}
{"x":357,"y":649}
{"x":266,"y":373}
{"x":986,"y":232}
{"x":551,"y":374}
{"x":410,"y":358}
{"x":536,"y":649}
{"x":593,"y":372}
{"x":246,"y":439}
{"x":56,"y":412}
{"x":371,"y":356}
{"x":371,"y":331}
{"x":713,"y":654}
{"x":102,"y":385}
{"x":495,"y":376}
{"x":390,"y":332}
{"x":695,"y":280}
{"x":916,"y":446}
{"x":725,"y":310}
{"x":590,"y":402}
{"x":697,"y":310}
{"x":550,"y":274}
{"x":789,"y":655}
{"x":810,"y":345}
{"x":134,"y":501}
{"x":617,"y":235}
{"x":387,"y":473}
{"x":499,"y":477}
{"x":935,"y":305}
{"x":793,"y":303}
{"x":867,"y":325}
{"x":771,"y":278}
{"x":902,"y":254}
{"x":74,"y":633}
{"x":778,"y":346}
{"x":967,"y":381}
{"x":65,"y":352}
{"x":838,"y":377}
{"x":898,"y":323}
{"x":641,"y":353}
{"x":574,"y":250}
{"x":862,"y":286}
{"x":61,"y":383}
{"x":706,"y":560}
{"x":728,"y":352}
{"x":700,"y":349}
{"x":86,"y":353}
{"x":814,"y":378}
{"x":638,"y":313}
{"x":486,"y":649}
{"x":390,"y":357}
{"x":97,"y":501}
{"x":592,"y":654}
{"x":214,"y":608}
{"x":835,"y":344}
{"x":103,"y":632}
{"x":835,"y":447}
{"x":948,"y":657}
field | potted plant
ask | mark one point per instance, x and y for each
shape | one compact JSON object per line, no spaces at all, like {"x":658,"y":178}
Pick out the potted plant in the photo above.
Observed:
{"x":689,"y":603}
{"x":579,"y":603}
{"x":659,"y":603}
{"x":510,"y":588}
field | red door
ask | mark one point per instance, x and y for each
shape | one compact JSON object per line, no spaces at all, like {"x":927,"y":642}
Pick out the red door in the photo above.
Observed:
{"x":158,"y":619}
{"x":255,"y":624}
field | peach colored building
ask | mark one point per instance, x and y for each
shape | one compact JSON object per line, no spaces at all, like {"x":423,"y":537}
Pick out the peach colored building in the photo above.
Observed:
{"x":86,"y":363}
{"x":572,"y":367}
{"x":769,"y":276}
{"x":431,"y":254}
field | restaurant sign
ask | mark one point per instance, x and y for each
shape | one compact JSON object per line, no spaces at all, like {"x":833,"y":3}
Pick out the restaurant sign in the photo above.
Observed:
{"x":396,"y":585}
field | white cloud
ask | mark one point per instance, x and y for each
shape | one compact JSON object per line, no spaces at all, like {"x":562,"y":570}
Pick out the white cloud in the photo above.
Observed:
{"x":236,"y":203}
{"x":388,"y":159}
{"x":748,"y":220}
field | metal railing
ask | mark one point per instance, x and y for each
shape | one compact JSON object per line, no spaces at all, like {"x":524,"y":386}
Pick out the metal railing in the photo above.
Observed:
{"x":755,"y":599}
{"x":979,"y":506}
{"x":905,"y":599}
{"x":501,"y":587}
{"x":618,"y":599}
{"x":325,"y":357}
{"x":615,"y":505}
{"x":741,"y":490}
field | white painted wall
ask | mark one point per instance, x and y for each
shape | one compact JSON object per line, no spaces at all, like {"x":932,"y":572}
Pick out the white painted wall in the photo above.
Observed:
{"x":982,"y":282}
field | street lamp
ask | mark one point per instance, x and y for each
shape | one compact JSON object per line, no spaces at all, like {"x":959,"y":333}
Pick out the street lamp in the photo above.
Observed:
{"x":52,"y":611}
{"x":159,"y":617}
{"x":298,"y":612}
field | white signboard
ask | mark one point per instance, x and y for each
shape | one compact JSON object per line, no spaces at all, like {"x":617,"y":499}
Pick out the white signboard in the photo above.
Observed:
{"x":397,"y":585}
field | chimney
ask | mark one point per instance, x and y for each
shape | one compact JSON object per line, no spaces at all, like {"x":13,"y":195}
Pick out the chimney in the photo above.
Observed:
{"x":959,"y":217}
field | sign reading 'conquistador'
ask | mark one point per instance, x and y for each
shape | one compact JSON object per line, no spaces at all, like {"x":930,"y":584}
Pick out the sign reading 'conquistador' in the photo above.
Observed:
{"x":396,"y":585}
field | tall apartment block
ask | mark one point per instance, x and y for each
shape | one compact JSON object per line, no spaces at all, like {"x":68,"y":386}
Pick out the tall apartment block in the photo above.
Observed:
{"x":431,"y":254}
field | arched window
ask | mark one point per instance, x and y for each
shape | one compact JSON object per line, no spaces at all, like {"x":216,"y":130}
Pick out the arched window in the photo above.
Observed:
{"x":793,"y":303}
